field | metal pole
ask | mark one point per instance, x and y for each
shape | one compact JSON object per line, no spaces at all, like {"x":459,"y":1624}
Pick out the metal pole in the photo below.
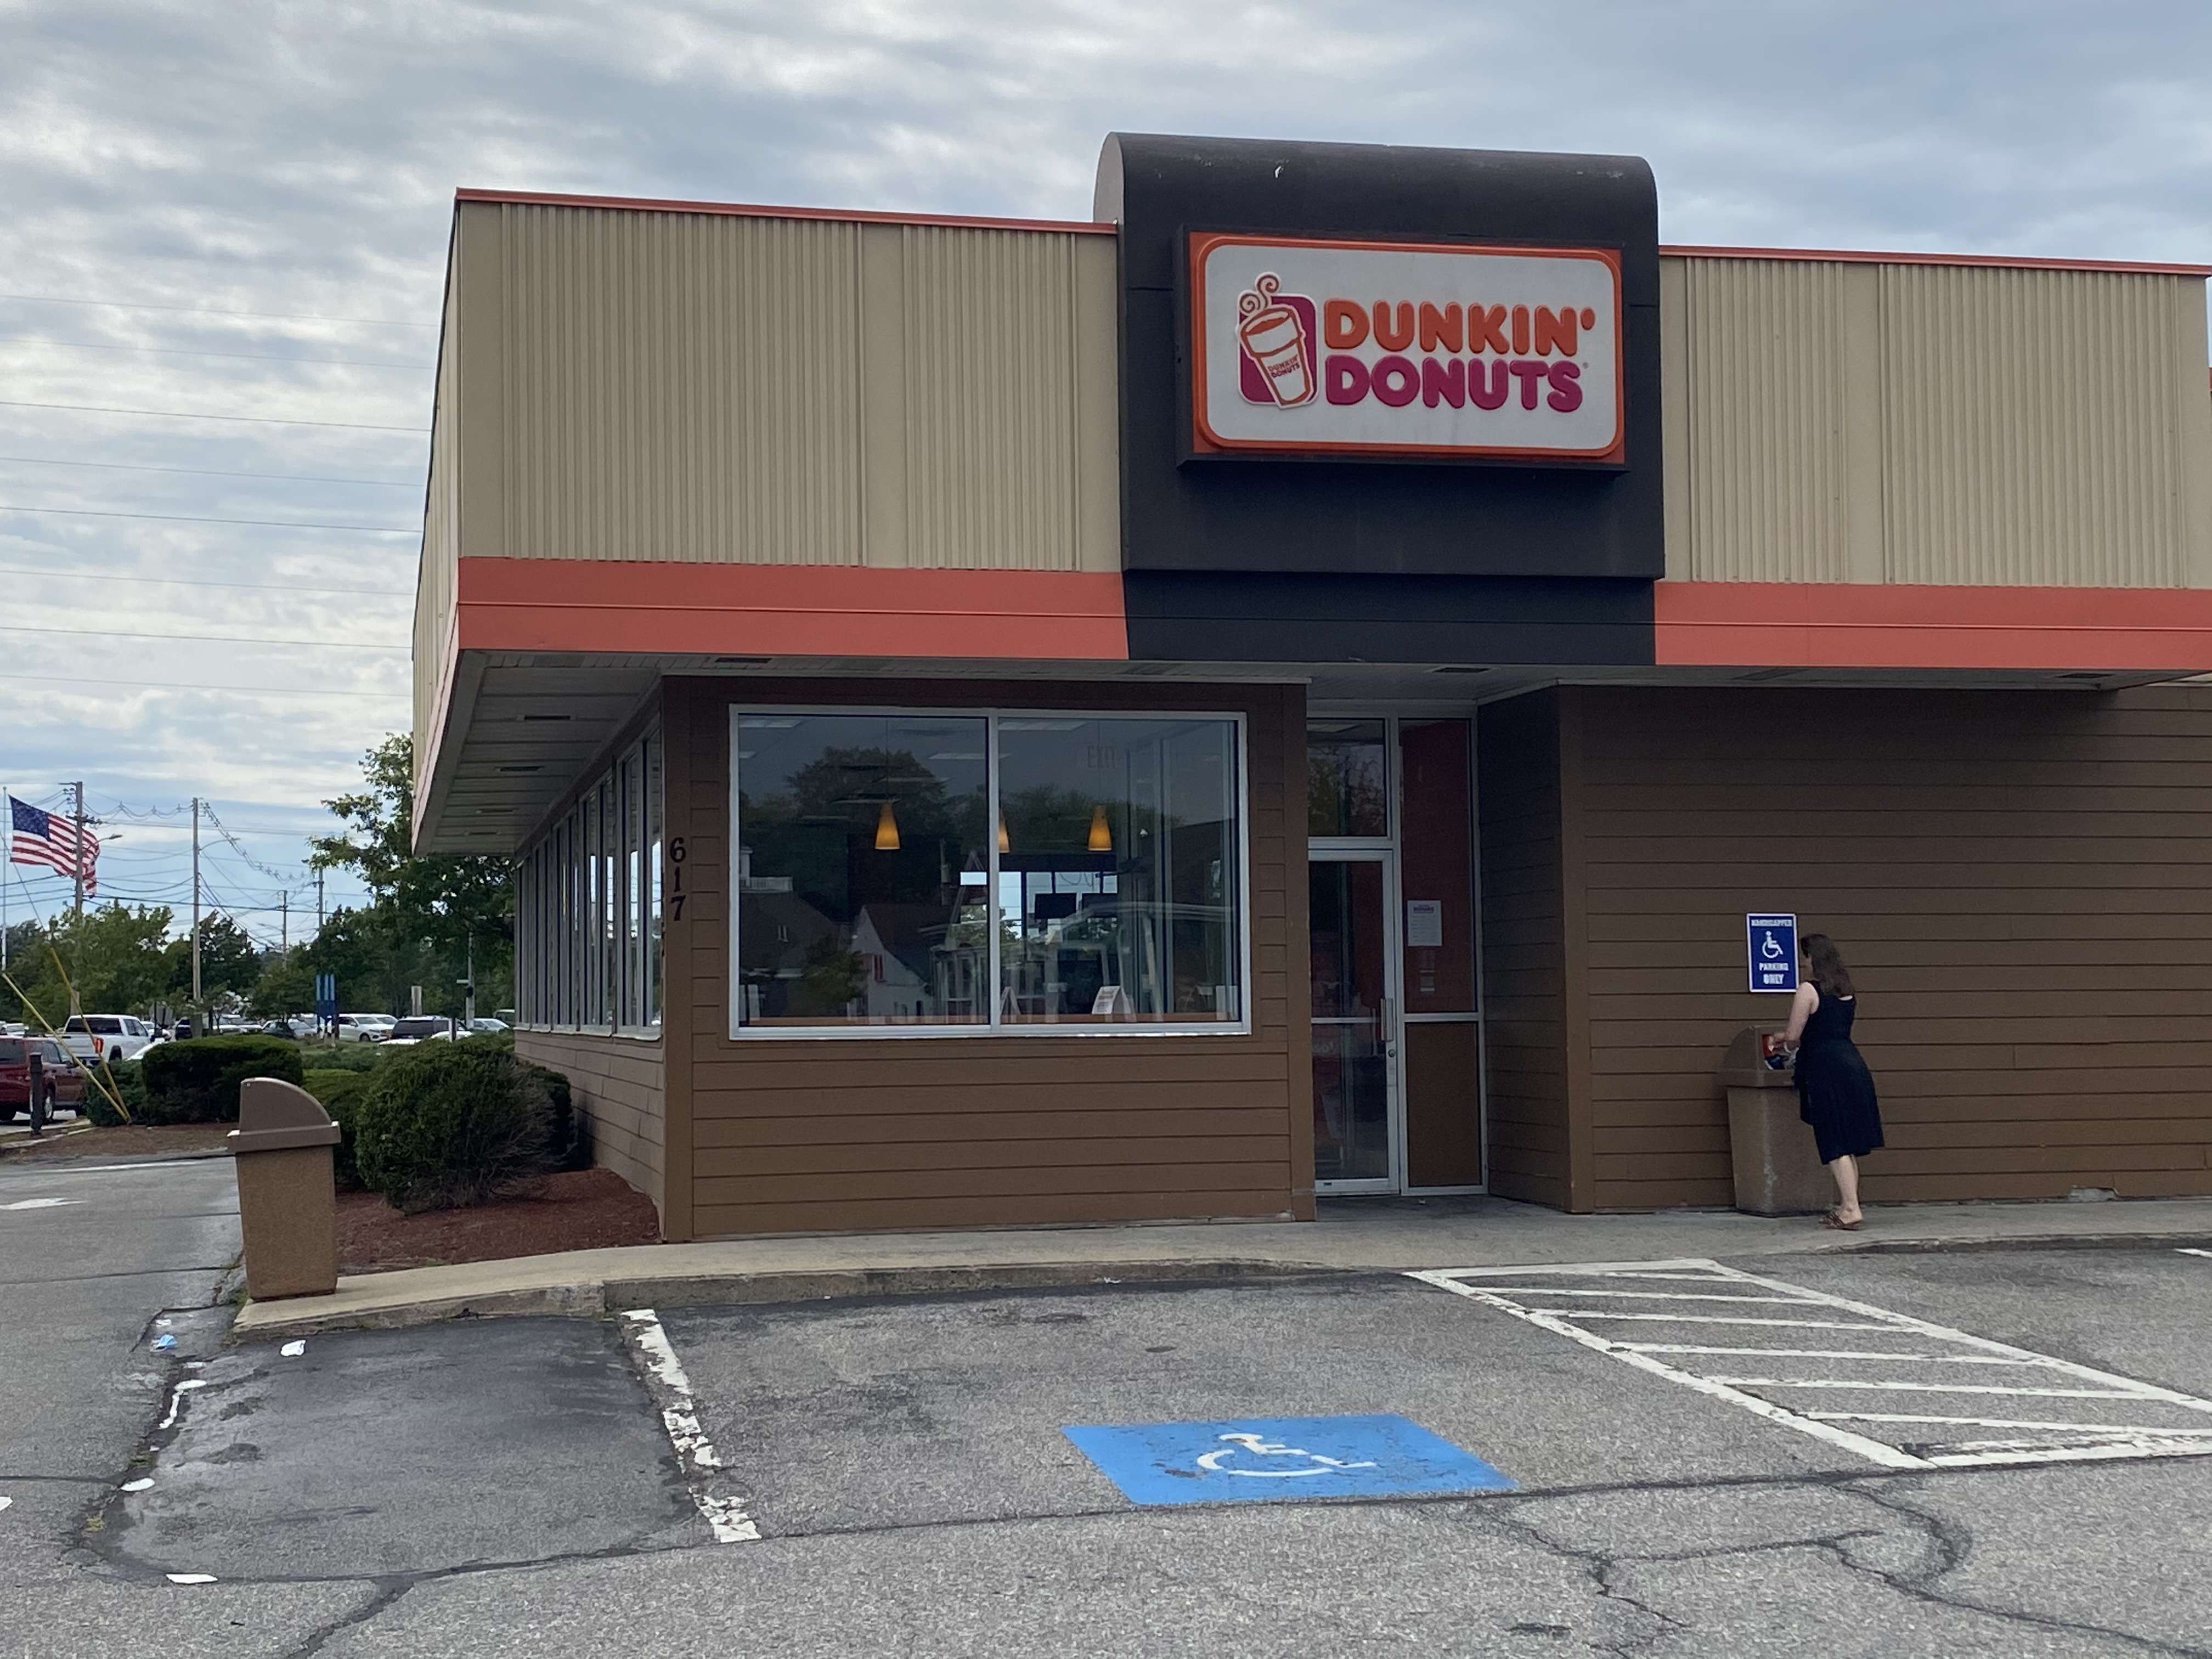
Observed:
{"x":196,"y":905}
{"x":469,"y":1002}
{"x":79,"y":787}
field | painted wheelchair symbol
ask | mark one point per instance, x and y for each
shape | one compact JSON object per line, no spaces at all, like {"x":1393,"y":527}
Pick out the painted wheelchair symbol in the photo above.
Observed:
{"x":1771,"y":948}
{"x":1260,"y":1446}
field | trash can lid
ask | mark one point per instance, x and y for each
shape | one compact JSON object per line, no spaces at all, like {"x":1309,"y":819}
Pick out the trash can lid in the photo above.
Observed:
{"x":276,"y":1116}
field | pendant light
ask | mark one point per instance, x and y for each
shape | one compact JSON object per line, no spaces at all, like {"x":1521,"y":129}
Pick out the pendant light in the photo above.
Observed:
{"x":887,"y":839}
{"x":1102,"y":837}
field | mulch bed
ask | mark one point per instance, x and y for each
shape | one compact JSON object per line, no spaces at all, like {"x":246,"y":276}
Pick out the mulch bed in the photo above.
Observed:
{"x":577,"y":1210}
{"x":122,"y":1140}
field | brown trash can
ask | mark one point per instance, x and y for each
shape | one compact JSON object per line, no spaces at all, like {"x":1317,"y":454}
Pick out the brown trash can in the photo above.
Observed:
{"x":1777,"y":1168}
{"x":287,"y":1197}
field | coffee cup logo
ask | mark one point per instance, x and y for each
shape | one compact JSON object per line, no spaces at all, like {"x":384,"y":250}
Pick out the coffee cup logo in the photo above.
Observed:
{"x":1275,"y":337}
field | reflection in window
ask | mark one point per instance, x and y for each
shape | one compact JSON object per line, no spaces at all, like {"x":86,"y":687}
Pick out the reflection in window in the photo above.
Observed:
{"x":1117,"y":870}
{"x":1347,"y":779}
{"x":862,"y":870}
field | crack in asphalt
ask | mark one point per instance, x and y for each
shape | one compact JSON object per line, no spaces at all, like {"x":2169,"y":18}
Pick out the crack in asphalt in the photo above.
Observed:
{"x":1949,"y":1546}
{"x":1952,"y":1543}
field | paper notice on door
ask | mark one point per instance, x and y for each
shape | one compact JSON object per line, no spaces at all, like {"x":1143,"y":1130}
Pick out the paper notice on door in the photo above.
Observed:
{"x":1424,"y":924}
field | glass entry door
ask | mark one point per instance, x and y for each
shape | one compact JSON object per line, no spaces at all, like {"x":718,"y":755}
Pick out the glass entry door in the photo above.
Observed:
{"x":1355,"y":1022}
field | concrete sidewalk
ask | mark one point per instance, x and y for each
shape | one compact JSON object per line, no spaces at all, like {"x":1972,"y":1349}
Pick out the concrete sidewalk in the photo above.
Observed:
{"x":1353,"y":1236}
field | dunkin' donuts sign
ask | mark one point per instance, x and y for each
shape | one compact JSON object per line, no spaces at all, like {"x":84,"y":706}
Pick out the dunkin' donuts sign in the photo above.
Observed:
{"x":1397,"y":349}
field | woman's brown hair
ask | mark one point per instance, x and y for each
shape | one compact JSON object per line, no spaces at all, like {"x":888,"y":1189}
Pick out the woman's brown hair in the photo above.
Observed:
{"x":1824,"y":966}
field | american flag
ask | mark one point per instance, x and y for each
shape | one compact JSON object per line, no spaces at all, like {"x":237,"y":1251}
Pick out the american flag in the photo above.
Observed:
{"x":48,"y":838}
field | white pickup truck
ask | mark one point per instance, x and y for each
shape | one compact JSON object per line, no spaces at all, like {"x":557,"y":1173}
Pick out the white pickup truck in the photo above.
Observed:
{"x":95,"y":1038}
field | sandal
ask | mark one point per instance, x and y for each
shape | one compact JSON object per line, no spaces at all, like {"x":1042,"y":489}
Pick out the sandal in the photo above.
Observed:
{"x":1834,"y":1219}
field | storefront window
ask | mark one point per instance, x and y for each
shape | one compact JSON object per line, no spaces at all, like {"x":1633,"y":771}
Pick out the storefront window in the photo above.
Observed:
{"x":587,"y":915}
{"x":862,"y":870}
{"x":876,"y":887}
{"x":1347,"y":779}
{"x":1117,"y":871}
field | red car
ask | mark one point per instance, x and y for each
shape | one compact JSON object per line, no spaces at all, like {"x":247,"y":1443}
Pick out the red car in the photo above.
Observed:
{"x":63,"y":1085}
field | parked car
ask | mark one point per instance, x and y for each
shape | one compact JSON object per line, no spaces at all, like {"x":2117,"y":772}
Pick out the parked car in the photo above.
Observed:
{"x":482,"y":1027}
{"x":63,"y":1083}
{"x":365,"y":1028}
{"x":304,"y":1026}
{"x":106,"y":1037}
{"x":421,"y":1027}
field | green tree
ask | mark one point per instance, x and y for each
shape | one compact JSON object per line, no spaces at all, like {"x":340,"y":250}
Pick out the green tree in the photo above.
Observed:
{"x":117,"y":960}
{"x":286,"y":985}
{"x":438,"y":902}
{"x":230,"y":960}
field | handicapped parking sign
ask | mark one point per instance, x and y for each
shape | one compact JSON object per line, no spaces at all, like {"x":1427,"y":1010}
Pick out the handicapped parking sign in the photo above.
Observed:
{"x":1771,"y":941}
{"x":1275,"y":1458}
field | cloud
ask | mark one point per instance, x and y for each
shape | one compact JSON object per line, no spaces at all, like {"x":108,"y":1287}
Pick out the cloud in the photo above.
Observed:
{"x":274,"y":158}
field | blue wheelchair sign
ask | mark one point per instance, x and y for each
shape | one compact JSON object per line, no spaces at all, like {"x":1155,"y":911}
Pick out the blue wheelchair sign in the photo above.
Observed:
{"x":1266,"y":1459}
{"x":1771,"y":941}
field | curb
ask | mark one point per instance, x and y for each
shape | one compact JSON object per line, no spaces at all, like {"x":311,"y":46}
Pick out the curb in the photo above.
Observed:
{"x":598,"y":1299}
{"x":593,"y":1300}
{"x":15,"y":1144}
{"x":2023,"y":1241}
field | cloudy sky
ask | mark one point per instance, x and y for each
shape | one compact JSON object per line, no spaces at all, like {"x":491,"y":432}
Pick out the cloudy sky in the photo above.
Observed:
{"x":239,"y":210}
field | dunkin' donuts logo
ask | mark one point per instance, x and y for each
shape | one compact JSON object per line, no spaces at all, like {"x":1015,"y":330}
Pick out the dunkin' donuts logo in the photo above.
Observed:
{"x":1275,"y":332}
{"x":1435,"y":350}
{"x":1529,"y":346}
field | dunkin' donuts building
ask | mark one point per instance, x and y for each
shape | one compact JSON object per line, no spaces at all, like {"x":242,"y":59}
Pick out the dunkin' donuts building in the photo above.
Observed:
{"x":1293,"y":684}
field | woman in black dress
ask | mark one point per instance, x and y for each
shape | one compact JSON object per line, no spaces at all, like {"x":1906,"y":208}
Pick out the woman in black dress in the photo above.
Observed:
{"x":1835,"y":1090}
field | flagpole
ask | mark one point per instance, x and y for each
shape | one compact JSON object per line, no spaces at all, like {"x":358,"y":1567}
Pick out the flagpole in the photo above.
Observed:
{"x":80,"y":858}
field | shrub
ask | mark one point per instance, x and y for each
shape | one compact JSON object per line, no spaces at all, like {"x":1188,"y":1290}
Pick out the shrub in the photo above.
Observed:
{"x":566,"y":1147}
{"x":446,"y":1124}
{"x":342,"y":1056}
{"x":127,"y":1080}
{"x":340,"y":1093}
{"x":197,"y":1081}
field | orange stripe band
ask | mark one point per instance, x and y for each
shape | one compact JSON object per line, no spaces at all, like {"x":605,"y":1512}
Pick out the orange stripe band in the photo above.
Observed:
{"x":789,"y":611}
{"x":1865,"y":625}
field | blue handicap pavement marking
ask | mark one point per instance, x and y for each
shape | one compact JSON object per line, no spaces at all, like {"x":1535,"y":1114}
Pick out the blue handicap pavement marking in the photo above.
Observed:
{"x":1275,"y":1458}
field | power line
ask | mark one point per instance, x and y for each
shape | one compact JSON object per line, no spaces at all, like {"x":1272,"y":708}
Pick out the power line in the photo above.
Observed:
{"x":205,"y":639}
{"x":209,"y":311}
{"x":189,"y":685}
{"x":183,"y":351}
{"x":201,"y":581}
{"x":194,"y":518}
{"x":188,"y":415}
{"x":210,"y":472}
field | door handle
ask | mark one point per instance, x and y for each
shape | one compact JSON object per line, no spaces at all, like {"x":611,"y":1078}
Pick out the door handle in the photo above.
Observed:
{"x":1387,"y":1016}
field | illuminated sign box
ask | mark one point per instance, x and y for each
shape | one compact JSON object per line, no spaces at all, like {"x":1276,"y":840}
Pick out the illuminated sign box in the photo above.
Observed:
{"x":1424,"y":350}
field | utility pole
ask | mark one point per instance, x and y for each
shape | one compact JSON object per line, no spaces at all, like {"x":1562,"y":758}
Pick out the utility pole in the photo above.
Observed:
{"x":469,"y":992}
{"x":196,"y":907}
{"x":318,"y":901}
{"x":284,"y":922}
{"x":79,"y":787}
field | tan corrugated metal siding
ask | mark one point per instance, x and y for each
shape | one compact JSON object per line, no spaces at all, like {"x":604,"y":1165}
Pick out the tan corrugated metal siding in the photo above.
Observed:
{"x":434,"y":585}
{"x":728,"y":389}
{"x":1929,"y":423}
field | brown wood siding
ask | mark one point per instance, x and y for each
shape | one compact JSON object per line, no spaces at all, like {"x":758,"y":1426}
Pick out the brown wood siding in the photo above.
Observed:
{"x":2020,"y":881}
{"x":618,"y":1084}
{"x":1524,"y":964}
{"x":957,"y":1132}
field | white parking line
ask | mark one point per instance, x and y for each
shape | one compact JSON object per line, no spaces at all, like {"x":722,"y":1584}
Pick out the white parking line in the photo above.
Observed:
{"x":2187,"y":1250}
{"x":1783,"y":1369}
{"x":724,"y":1512}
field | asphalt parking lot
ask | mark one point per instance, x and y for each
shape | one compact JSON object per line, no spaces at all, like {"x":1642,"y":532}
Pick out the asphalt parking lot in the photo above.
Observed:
{"x":899,"y":1474}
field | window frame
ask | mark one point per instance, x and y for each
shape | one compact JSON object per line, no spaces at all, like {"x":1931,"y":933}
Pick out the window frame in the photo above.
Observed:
{"x":993,"y":1028}
{"x":580,"y":968}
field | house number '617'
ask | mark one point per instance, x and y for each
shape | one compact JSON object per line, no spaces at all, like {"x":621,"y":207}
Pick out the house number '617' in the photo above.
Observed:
{"x":675,"y":856}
